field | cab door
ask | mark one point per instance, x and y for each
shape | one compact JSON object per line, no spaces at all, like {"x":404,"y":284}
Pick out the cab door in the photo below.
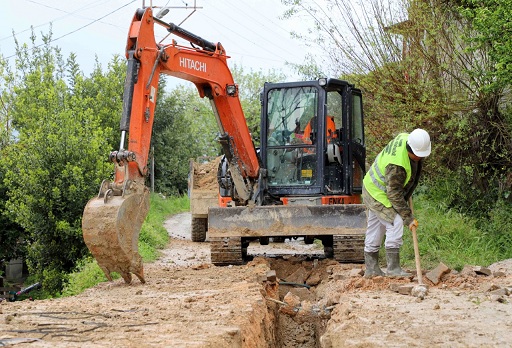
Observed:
{"x":357,"y":141}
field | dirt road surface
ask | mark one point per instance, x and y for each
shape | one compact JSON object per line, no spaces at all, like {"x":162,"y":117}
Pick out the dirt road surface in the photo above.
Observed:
{"x":311,"y":302}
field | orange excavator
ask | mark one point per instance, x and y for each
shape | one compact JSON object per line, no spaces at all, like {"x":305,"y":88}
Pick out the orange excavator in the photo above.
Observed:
{"x":287,"y":188}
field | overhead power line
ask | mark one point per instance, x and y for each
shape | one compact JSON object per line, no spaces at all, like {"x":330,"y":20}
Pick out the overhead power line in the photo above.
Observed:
{"x":94,"y":21}
{"x":67,"y":14}
{"x":84,"y":26}
{"x":256,"y":38}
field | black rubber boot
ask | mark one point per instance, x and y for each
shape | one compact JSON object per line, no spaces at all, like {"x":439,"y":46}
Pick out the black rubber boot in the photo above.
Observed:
{"x":371,"y":260}
{"x":393,"y":260}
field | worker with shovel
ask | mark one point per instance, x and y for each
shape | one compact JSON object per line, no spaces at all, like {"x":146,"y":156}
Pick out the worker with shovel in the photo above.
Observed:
{"x":387,"y":188}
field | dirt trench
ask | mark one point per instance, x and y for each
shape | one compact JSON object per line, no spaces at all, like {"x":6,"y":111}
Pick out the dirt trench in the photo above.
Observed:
{"x":296,"y":299}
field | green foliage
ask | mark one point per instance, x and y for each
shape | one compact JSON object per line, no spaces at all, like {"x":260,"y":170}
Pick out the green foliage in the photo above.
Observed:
{"x":12,"y":243}
{"x":103,"y":93}
{"x":499,"y":226}
{"x":86,"y":275}
{"x":491,"y":23}
{"x":57,"y":161}
{"x":153,"y":237}
{"x":250,"y":86}
{"x":5,"y":116}
{"x":448,"y":236}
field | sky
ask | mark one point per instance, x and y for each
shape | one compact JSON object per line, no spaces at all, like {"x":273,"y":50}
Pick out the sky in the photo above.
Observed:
{"x":250,"y":31}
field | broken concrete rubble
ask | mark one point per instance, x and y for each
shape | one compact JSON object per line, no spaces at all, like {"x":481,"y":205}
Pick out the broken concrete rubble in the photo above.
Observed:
{"x":499,"y":274}
{"x":356,"y":272}
{"x":468,"y":271}
{"x":436,"y":274}
{"x":482,"y":270}
{"x":488,"y":287}
{"x":500,"y":292}
{"x":405,"y":289}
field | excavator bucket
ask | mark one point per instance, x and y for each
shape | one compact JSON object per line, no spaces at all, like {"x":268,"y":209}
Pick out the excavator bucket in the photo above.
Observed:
{"x":111,"y":232}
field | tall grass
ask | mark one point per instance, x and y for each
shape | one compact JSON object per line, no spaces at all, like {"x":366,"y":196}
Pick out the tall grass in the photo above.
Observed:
{"x":453,"y":238}
{"x":153,"y":237}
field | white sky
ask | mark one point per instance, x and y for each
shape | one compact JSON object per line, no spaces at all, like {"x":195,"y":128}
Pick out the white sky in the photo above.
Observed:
{"x":249,"y":30}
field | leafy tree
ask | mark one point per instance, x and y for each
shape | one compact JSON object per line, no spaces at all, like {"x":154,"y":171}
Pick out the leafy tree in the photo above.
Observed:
{"x":422,"y":64}
{"x":11,"y":241}
{"x":491,"y":24}
{"x":103,"y":92}
{"x":250,"y":86}
{"x":58,"y":159}
{"x":490,"y":127}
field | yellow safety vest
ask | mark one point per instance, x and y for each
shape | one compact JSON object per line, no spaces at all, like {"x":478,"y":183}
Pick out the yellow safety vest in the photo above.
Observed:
{"x":394,"y":153}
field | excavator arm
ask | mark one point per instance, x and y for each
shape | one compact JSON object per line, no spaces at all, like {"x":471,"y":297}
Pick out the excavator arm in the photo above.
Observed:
{"x":112,"y":221}
{"x":207,"y":68}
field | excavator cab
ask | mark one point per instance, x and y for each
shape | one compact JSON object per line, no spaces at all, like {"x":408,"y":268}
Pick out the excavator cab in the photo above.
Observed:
{"x":312,"y":141}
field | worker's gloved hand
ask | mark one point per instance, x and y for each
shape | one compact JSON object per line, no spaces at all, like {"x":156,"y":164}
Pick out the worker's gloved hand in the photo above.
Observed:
{"x":413,"y":224}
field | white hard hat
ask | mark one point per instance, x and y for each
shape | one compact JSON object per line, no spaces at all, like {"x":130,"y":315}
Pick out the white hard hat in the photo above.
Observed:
{"x":419,"y":141}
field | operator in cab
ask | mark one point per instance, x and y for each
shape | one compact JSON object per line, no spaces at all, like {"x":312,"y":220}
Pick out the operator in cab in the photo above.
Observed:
{"x":387,"y":189}
{"x":306,"y":135}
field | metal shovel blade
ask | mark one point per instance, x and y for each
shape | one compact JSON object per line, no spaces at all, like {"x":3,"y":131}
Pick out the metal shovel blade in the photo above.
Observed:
{"x":111,"y":232}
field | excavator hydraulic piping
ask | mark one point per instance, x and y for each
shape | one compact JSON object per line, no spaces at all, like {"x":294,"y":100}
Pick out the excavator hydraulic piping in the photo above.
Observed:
{"x":129,"y":85}
{"x":187,"y":35}
{"x":161,"y":53}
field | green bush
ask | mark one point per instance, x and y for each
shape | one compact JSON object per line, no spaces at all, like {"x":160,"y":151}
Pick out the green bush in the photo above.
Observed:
{"x":87,"y":274}
{"x":499,"y":226}
{"x":456,"y":239}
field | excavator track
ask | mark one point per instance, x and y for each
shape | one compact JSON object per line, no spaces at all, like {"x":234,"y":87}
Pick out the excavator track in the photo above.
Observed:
{"x":226,"y":251}
{"x":349,"y":248}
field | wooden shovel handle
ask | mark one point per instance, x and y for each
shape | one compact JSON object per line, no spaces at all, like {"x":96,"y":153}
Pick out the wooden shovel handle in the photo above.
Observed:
{"x":417,"y":255}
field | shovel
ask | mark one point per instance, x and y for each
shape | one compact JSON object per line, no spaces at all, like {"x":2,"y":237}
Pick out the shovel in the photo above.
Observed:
{"x":421,"y":289}
{"x":417,"y":255}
